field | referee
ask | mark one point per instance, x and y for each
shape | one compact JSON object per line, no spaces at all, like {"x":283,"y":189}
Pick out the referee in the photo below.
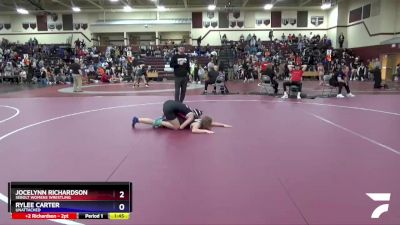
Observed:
{"x":77,"y":75}
{"x":180,"y":63}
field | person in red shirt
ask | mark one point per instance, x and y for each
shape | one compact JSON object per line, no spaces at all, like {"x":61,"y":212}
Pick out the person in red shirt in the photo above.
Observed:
{"x":103,"y":75}
{"x":295,"y":79}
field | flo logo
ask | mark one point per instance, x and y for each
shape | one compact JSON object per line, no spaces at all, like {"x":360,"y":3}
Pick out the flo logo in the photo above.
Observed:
{"x":379,"y":197}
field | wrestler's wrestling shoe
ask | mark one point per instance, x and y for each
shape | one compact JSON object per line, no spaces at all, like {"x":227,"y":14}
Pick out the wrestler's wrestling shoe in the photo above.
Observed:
{"x":135,"y":120}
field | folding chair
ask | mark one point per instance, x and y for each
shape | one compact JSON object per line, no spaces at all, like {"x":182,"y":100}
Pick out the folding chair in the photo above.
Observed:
{"x":328,"y":89}
{"x":220,"y":84}
{"x":266,"y":84}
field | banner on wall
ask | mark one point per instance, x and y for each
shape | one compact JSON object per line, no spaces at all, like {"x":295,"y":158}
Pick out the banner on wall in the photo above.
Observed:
{"x":236,"y":19}
{"x":262,"y":19}
{"x":84,"y":26}
{"x":317,"y":20}
{"x":210,"y":15}
{"x":263,"y":22}
{"x":25,"y":26}
{"x":287,"y":21}
{"x":59,"y":26}
{"x":51,"y":26}
{"x":210,"y":19}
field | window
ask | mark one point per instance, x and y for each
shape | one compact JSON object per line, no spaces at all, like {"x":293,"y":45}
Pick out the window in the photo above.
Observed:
{"x":355,"y":15}
{"x":366,"y":11}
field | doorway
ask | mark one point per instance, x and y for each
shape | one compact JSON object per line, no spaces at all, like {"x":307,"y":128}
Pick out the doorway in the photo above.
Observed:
{"x":389,"y":63}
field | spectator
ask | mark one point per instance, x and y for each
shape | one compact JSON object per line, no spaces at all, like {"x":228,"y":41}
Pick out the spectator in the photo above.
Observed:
{"x":30,"y":73}
{"x":196,"y":77}
{"x":341,"y":40}
{"x":378,"y":78}
{"x":241,"y":39}
{"x":342,"y":80}
{"x":362,"y":72}
{"x":295,"y":80}
{"x":212,"y":76}
{"x":269,"y":71}
{"x":321,"y":73}
{"x":271,"y":34}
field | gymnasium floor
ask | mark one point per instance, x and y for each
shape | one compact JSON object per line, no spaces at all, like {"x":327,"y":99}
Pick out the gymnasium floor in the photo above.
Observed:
{"x":283,"y":162}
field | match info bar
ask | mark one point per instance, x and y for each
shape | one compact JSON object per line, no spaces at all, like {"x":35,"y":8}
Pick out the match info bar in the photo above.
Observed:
{"x":70,"y":216}
{"x":70,"y":200}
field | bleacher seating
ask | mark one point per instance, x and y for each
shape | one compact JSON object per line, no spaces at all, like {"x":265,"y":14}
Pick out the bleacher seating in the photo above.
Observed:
{"x":158,"y":64}
{"x":162,"y":67}
{"x":203,"y":60}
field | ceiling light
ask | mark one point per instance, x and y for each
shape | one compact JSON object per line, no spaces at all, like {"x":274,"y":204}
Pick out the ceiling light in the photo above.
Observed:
{"x":268,"y":6}
{"x":161,"y":8}
{"x":326,"y":5}
{"x":211,"y":7}
{"x":76,"y":9}
{"x":127,"y":8}
{"x":22,"y":11}
{"x":113,"y":0}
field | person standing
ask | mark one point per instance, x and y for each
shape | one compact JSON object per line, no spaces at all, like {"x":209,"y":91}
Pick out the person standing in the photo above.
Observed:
{"x":271,"y":35}
{"x":199,"y":41}
{"x":377,"y":78}
{"x":321,"y":73}
{"x":77,"y":75}
{"x":362,"y":72}
{"x":196,"y":77}
{"x":398,"y":71}
{"x":180,"y":63}
{"x":31,"y":72}
{"x":341,"y":40}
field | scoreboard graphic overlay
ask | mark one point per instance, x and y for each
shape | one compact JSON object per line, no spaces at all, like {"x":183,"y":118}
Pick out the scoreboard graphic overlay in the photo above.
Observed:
{"x":70,"y":200}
